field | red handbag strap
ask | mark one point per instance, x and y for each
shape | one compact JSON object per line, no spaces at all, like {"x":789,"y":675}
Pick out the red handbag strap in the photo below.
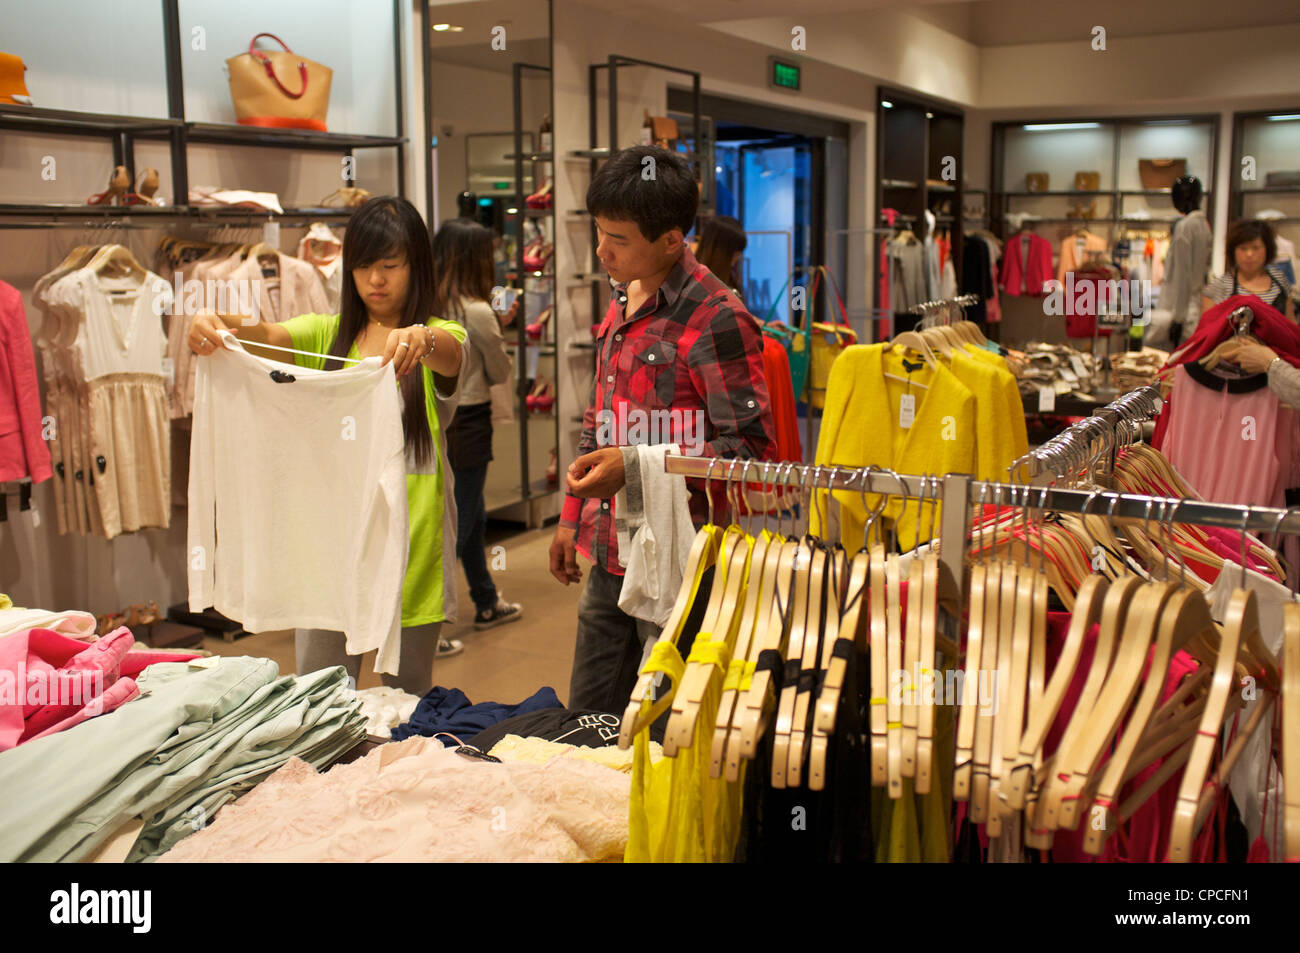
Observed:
{"x":270,"y":70}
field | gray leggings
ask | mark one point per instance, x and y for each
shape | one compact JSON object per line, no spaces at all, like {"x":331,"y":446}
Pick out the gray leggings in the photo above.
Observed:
{"x":315,"y":649}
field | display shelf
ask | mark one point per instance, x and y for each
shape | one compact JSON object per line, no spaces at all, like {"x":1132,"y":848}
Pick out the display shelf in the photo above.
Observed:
{"x":531,"y":156}
{"x":1276,"y":190}
{"x":940,"y":188}
{"x":898,"y":184}
{"x":1067,"y":193}
{"x":232,"y":134}
{"x":514,"y":275}
{"x":583,"y":345}
{"x":537,"y":212}
{"x":110,"y":211}
{"x":584,"y":277}
{"x":600,"y":152}
{"x":72,"y":122}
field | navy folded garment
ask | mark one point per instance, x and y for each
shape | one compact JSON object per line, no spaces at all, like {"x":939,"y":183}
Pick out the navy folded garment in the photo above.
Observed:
{"x":449,"y":710}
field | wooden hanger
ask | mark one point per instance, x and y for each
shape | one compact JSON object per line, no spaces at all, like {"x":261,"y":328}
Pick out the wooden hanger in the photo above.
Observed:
{"x":1087,"y":609}
{"x":852,"y":632}
{"x":116,"y":256}
{"x":703,"y":554}
{"x":1114,"y":609}
{"x":820,"y":633}
{"x":809,"y":562}
{"x":981,"y":587}
{"x":1242,"y":616}
{"x":1012,"y":642}
{"x":894,"y":664}
{"x":758,"y":584}
{"x":1291,"y":729}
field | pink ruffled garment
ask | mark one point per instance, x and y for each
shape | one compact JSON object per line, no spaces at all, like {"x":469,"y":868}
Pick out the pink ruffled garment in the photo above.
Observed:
{"x":417,"y":801}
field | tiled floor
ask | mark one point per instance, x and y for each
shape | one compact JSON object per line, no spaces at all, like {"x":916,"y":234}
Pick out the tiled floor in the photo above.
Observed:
{"x":505,"y":664}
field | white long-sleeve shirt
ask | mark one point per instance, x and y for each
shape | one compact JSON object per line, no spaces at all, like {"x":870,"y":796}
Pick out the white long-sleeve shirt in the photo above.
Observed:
{"x":297,"y":498}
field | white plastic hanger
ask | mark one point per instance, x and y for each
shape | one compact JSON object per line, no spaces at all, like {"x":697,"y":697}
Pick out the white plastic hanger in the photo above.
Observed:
{"x":290,"y":350}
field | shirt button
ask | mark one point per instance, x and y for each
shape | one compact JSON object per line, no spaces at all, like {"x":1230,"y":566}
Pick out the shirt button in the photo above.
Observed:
{"x":650,"y":357}
{"x":604,"y":506}
{"x":751,"y":403}
{"x":618,"y":337}
{"x":610,"y":379}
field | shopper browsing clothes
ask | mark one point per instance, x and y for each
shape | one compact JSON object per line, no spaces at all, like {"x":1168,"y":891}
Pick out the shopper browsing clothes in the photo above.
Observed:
{"x":388,"y":297}
{"x":1252,"y":245}
{"x":674,"y":338}
{"x":462,"y":262}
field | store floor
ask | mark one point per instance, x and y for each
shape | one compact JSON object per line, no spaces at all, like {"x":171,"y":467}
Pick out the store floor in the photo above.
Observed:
{"x":505,"y":664}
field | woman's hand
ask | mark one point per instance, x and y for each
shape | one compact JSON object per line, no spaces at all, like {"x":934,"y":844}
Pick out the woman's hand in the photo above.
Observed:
{"x":205,"y":333}
{"x":407,"y":346}
{"x":1253,"y":358}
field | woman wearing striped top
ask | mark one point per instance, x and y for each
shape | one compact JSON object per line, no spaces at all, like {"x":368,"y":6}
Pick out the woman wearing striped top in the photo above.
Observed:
{"x":1251,"y":245}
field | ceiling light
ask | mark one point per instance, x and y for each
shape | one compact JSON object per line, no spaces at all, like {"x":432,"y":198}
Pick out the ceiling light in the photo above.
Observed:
{"x":456,"y":29}
{"x":512,"y":211}
{"x":1283,"y":118}
{"x":441,"y":27}
{"x":929,"y":115}
{"x":1059,"y":126}
{"x":887,"y":104}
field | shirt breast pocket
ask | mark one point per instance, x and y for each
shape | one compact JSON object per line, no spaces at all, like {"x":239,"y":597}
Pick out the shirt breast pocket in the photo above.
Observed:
{"x":654,"y":371}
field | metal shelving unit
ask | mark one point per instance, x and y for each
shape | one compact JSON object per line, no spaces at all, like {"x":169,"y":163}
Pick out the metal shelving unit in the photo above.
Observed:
{"x":124,"y":130}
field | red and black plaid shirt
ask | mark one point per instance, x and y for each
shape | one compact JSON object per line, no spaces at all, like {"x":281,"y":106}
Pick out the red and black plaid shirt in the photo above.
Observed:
{"x":692,"y":346}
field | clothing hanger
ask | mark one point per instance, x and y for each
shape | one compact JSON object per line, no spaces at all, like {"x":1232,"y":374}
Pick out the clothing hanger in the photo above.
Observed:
{"x":967,"y":715}
{"x":853,"y":638}
{"x":821,"y":633}
{"x":756,"y":711}
{"x":1012,"y":643}
{"x":639,"y":715}
{"x":995,"y":590}
{"x":1291,"y":729}
{"x":290,"y":350}
{"x":116,"y":256}
{"x":740,"y":668}
{"x":724,"y":597}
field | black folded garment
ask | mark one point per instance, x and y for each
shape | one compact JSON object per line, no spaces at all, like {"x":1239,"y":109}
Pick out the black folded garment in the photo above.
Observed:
{"x":586,"y":729}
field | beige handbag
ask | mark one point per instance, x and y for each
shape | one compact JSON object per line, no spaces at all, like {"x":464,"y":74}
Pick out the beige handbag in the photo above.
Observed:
{"x":1160,"y":173}
{"x":13,"y":90}
{"x":279,"y":89}
{"x":1036,"y":181}
{"x":1087,"y":181}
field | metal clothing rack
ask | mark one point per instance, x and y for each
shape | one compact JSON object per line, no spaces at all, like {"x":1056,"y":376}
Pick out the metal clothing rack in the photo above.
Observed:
{"x":957,"y":493}
{"x":1116,"y":425}
{"x":961,"y":301}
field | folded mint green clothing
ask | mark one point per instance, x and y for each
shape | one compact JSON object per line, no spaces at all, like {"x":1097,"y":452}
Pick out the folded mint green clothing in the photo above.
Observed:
{"x":176,"y":746}
{"x":330,"y":727}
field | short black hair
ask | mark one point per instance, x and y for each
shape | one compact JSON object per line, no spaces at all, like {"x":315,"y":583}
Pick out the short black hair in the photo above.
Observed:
{"x":1247,"y":230}
{"x":657,"y":196}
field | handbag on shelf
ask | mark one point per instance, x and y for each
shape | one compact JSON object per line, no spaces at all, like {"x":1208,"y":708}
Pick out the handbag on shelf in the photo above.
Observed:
{"x":829,"y":340}
{"x":796,"y":343}
{"x":1036,"y":181}
{"x":1160,"y":173}
{"x":1087,"y":181}
{"x":279,"y":89}
{"x":13,"y":89}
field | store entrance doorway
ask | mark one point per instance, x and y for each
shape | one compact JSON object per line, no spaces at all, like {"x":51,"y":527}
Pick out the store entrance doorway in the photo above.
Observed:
{"x":771,"y":168}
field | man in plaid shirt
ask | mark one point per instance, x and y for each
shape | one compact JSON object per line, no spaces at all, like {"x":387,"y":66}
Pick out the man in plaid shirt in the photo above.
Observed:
{"x":674,"y":338}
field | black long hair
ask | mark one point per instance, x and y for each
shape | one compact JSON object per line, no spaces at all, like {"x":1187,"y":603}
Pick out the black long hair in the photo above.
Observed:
{"x":462,"y":262}
{"x":388,"y":227}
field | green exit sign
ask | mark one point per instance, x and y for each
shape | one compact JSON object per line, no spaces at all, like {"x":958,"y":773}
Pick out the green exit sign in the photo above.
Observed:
{"x":785,"y":75}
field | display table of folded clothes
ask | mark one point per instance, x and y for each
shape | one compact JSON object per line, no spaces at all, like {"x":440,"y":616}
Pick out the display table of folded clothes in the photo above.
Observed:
{"x":198,"y":735}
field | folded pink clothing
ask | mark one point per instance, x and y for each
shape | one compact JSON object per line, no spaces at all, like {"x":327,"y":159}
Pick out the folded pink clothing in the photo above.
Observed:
{"x":118,"y":694}
{"x":49,"y":681}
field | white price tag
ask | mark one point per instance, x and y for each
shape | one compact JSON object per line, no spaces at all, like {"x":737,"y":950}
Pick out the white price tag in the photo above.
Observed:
{"x":210,"y":661}
{"x":271,"y":234}
{"x":1046,"y":400}
{"x":1069,"y":376}
{"x":1077,"y":363}
{"x":906,"y":411}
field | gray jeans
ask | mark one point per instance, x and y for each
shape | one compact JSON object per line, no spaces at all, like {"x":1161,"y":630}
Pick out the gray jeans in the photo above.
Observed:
{"x":610,"y":646}
{"x":315,"y":649}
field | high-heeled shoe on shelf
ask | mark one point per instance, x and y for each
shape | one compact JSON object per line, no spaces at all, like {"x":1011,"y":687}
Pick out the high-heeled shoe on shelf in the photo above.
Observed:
{"x":537,"y":329}
{"x":542,"y":398}
{"x":148,"y":186}
{"x":118,"y":185}
{"x":543,"y":197}
{"x":537,"y":253}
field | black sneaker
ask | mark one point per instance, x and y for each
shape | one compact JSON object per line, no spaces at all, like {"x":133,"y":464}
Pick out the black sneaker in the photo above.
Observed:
{"x":499,"y":614}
